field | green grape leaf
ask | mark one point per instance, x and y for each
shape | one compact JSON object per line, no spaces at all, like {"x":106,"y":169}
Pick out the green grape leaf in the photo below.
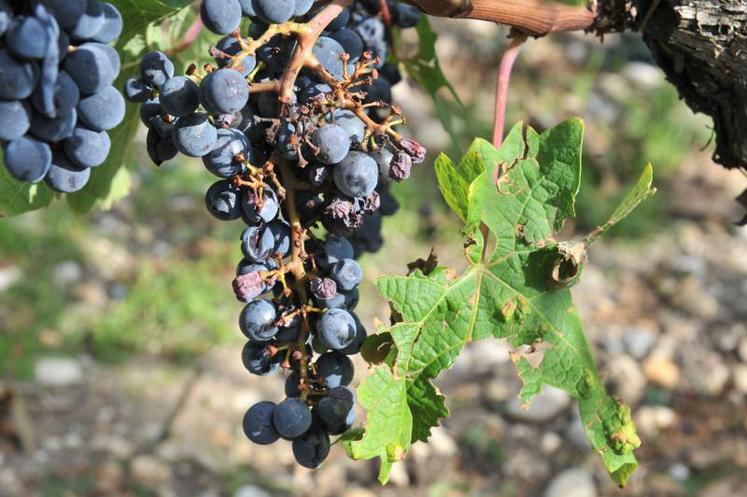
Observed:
{"x":513,"y":211}
{"x":641,"y":191}
{"x":138,"y":14}
{"x":384,"y":397}
{"x":453,"y":185}
{"x":455,"y":180}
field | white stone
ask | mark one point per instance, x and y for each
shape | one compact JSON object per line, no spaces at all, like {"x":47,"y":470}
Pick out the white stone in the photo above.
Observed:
{"x":251,"y":491}
{"x":575,"y":482}
{"x":9,"y":276}
{"x":742,"y":350}
{"x":629,"y":381}
{"x":118,"y":447}
{"x":150,"y":469}
{"x":679,"y":472}
{"x":66,"y":273}
{"x":524,"y":464}
{"x":650,"y":420}
{"x":441,"y":442}
{"x":714,"y":376}
{"x":639,"y":342}
{"x":544,"y":407}
{"x":740,"y":378}
{"x":577,"y":51}
{"x":58,"y":372}
{"x":550,"y":442}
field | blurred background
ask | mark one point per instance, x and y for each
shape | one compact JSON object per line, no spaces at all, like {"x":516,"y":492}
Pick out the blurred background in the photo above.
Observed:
{"x":120,"y":371}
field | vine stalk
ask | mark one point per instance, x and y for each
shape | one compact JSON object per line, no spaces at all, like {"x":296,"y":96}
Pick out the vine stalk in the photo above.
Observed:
{"x":508,"y":59}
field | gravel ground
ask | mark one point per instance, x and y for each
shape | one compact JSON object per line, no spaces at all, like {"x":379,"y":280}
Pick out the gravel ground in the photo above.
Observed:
{"x":670,"y":340}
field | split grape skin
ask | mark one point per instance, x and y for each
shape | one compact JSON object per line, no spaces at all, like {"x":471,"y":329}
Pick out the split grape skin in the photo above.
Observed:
{"x":301,"y":133}
{"x":56,"y":90}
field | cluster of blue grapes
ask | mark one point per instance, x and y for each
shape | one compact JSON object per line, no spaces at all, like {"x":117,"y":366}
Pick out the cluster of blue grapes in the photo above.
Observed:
{"x":295,"y":152}
{"x":57,"y":101}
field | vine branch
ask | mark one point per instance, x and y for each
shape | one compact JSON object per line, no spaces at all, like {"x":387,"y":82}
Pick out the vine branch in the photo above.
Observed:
{"x":534,"y":17}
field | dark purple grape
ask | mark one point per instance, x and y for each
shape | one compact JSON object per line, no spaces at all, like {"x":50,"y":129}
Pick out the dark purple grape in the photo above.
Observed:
{"x":222,"y":201}
{"x":17,"y":78}
{"x":90,"y":23}
{"x":335,"y":369}
{"x":91,"y":68}
{"x":113,"y":24}
{"x":254,"y":215}
{"x":274,"y":11}
{"x":258,"y":425}
{"x":87,"y":148}
{"x":27,"y":159}
{"x":102,"y":111}
{"x":332,"y":144}
{"x":336,"y":411}
{"x":329,"y":54}
{"x":257,"y":243}
{"x":291,"y":418}
{"x":221,"y":16}
{"x":65,"y":177}
{"x":15,"y":120}
{"x":180,"y":96}
{"x":195,"y":136}
{"x":311,"y":448}
{"x":257,"y":359}
{"x":336,"y":329}
{"x":230,"y":149}
{"x":224,"y":91}
{"x":156,"y":68}
{"x":357,"y":175}
{"x":257,"y":320}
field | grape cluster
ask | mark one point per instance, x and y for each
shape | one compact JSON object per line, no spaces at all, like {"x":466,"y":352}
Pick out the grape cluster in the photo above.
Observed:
{"x":296,"y":120}
{"x":57,"y":101}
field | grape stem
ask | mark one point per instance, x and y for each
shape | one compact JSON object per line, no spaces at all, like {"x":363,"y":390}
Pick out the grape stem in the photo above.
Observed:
{"x":296,"y":267}
{"x":303,"y":55}
{"x":504,"y":78}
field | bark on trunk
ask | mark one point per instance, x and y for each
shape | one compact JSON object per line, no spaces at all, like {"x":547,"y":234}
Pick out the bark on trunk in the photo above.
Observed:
{"x":702,"y":47}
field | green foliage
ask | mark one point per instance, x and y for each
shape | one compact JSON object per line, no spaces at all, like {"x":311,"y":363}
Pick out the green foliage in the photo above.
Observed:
{"x":176,"y":311}
{"x":425,"y":69}
{"x":514,"y":201}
